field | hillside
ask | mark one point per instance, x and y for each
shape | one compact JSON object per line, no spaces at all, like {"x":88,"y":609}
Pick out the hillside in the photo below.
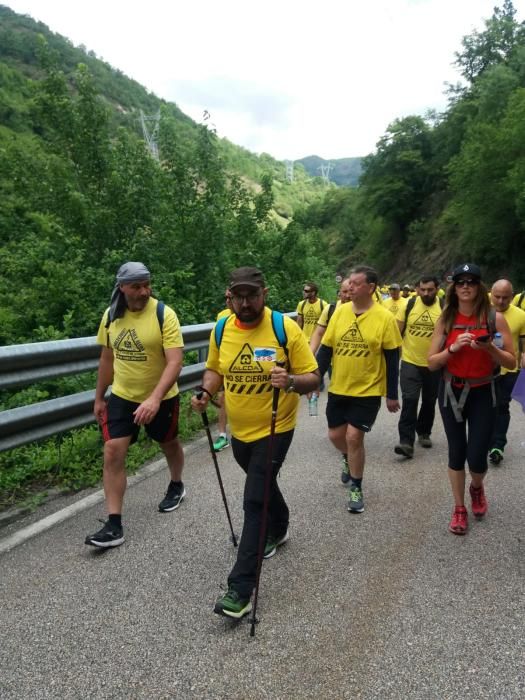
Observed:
{"x":20,"y":68}
{"x":344,"y":172}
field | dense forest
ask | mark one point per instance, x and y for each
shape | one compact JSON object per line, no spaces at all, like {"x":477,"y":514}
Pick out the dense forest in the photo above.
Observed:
{"x":448,"y":186}
{"x":81,"y":193}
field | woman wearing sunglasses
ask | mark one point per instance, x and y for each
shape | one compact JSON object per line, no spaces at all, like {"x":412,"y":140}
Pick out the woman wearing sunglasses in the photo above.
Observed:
{"x":462,"y":346}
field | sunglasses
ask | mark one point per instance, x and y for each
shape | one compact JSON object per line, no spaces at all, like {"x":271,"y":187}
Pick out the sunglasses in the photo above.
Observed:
{"x":307,"y":291}
{"x":467,"y":283}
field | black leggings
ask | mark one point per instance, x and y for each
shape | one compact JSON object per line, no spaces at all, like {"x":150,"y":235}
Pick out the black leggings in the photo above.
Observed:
{"x":470,"y":439}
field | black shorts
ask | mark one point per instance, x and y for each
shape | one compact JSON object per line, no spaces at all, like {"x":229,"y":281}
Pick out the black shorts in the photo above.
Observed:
{"x":359,"y":411}
{"x":118,"y":420}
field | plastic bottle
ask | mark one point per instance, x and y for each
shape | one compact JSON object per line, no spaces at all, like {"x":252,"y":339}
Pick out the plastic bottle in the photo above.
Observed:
{"x":498,"y":340}
{"x":312,"y":405}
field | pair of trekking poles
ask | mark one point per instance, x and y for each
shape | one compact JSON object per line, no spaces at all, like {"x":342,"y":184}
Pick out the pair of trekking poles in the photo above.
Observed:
{"x":266,"y":498}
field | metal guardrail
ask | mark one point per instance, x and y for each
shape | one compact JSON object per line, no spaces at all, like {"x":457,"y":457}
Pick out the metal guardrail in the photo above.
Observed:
{"x":21,"y":365}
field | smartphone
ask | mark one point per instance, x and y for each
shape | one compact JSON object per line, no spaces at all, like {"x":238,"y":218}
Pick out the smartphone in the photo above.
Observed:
{"x":483,"y":338}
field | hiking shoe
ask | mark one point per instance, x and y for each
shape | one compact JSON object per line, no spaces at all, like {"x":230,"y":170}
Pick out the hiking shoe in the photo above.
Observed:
{"x":459,"y":522}
{"x":273,"y":542}
{"x":495,"y":456}
{"x":345,"y":473}
{"x":221,"y":443}
{"x":479,"y":502}
{"x":232,"y":605}
{"x":107,"y":536}
{"x":173,"y":498}
{"x":405,"y":450}
{"x":355,"y":502}
{"x":425,"y":441}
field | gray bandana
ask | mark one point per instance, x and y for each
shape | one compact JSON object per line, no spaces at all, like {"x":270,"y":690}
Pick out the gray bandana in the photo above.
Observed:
{"x":127,"y":273}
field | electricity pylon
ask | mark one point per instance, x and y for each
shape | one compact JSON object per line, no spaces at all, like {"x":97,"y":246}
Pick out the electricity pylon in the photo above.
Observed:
{"x":150,"y":134}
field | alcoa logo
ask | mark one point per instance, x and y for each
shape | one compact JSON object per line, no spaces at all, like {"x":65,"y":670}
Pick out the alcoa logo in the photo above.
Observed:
{"x":466,"y":268}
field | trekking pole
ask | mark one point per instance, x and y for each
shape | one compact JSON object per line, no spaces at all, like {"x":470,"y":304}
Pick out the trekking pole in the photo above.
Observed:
{"x":266,"y":503}
{"x":206,"y":424}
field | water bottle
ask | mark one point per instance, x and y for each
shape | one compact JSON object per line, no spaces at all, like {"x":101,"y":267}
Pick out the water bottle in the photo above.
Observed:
{"x":498,"y":340}
{"x":312,"y":405}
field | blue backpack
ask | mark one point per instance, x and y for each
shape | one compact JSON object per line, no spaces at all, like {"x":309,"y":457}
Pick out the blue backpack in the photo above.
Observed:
{"x":277,"y":326}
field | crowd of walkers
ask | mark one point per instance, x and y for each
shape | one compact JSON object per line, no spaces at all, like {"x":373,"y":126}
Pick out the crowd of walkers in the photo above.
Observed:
{"x":461,"y":347}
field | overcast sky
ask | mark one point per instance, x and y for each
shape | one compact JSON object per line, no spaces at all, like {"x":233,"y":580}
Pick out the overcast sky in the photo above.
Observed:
{"x":288,"y":77}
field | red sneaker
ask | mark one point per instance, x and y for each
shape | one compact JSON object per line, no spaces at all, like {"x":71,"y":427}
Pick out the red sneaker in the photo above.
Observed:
{"x":479,"y":502}
{"x":459,"y":522}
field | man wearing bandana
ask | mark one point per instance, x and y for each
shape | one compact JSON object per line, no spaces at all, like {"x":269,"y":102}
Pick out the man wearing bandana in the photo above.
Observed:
{"x":141,"y":359}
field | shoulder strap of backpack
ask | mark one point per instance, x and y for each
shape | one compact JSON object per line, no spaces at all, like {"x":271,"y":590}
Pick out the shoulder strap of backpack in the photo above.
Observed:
{"x":520,"y":300}
{"x":331,"y":310}
{"x":302,"y":307}
{"x":441,"y":302}
{"x":322,"y":304}
{"x":160,"y":314}
{"x":408,"y":309}
{"x":279,"y":330}
{"x":219,"y":330}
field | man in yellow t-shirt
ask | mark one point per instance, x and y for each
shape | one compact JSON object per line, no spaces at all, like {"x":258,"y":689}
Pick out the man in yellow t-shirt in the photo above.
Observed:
{"x":141,"y":358}
{"x":416,"y":324}
{"x":501,"y":297}
{"x":362,"y":341}
{"x":395,"y":301}
{"x":309,"y":309}
{"x":247,"y":361}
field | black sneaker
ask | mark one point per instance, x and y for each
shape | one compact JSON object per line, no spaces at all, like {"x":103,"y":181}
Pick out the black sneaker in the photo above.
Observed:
{"x":495,"y":456}
{"x":405,"y":450}
{"x":107,"y":536}
{"x":232,"y":605}
{"x":173,"y":498}
{"x":273,"y":542}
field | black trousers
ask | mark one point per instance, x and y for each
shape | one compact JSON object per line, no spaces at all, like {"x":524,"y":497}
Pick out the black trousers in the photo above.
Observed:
{"x":469,"y":440}
{"x":252,"y":458}
{"x":504,"y":386}
{"x":415,"y":382}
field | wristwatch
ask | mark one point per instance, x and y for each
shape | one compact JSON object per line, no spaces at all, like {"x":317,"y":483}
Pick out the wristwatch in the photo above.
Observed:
{"x":291,"y":384}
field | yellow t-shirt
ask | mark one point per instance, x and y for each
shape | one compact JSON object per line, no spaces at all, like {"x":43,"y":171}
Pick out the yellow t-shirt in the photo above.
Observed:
{"x":516,"y":300}
{"x":310,"y":314}
{"x":137,"y":344}
{"x":418,"y":331}
{"x":358,"y":362}
{"x":394,"y":305}
{"x":223,"y":313}
{"x":323,"y":318}
{"x":244,"y":359}
{"x":515,"y":317}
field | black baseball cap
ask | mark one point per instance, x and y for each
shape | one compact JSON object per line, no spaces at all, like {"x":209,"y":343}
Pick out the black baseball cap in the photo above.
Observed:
{"x":466,"y":269}
{"x":247,"y":277}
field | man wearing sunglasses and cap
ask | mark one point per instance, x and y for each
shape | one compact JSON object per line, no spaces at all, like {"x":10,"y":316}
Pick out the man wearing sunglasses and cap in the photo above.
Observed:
{"x":141,"y":359}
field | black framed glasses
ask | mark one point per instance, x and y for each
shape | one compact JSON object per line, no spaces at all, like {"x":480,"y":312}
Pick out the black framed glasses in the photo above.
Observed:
{"x":307,"y":291}
{"x":250,"y":298}
{"x":467,"y":283}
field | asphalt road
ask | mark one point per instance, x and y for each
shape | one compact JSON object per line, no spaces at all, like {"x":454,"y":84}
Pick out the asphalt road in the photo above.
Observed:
{"x":387,"y":604}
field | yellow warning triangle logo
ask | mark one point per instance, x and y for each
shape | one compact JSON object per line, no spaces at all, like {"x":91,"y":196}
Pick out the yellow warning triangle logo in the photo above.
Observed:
{"x":244,"y":361}
{"x":424,"y":320}
{"x":353,"y":334}
{"x":128,"y":344}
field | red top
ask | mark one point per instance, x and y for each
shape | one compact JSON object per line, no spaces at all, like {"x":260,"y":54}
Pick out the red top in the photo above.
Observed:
{"x":468,"y":363}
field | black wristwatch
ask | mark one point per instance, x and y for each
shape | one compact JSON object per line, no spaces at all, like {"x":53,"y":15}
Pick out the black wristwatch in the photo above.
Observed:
{"x":291,"y":384}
